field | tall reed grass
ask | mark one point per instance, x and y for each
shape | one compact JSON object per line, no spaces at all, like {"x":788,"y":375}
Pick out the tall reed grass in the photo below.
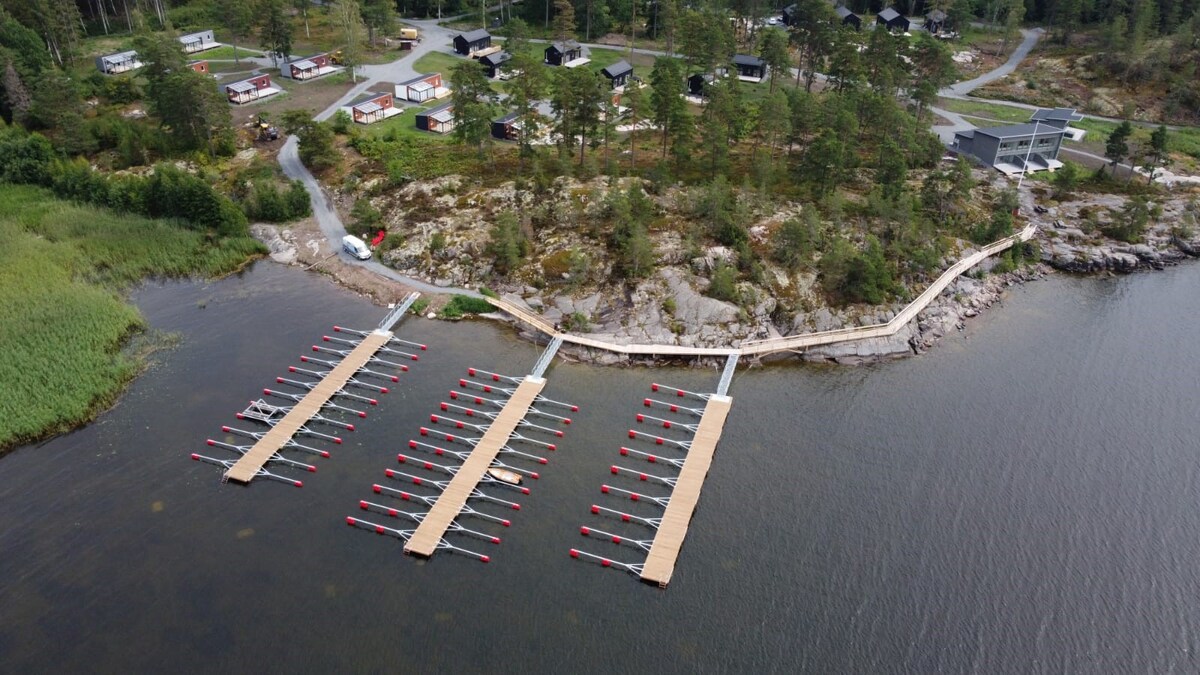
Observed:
{"x":63,"y":320}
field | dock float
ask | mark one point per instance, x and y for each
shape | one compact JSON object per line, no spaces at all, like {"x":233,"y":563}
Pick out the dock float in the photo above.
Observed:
{"x":428,"y":535}
{"x":670,"y":529}
{"x":244,"y":470}
{"x":321,"y":388}
{"x":660,"y":561}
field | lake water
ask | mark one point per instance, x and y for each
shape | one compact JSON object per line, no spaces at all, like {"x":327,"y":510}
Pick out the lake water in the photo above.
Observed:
{"x":1021,"y":499}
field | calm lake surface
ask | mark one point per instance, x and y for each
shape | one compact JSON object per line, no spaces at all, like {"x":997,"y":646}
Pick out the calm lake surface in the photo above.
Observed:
{"x":1021,"y":499}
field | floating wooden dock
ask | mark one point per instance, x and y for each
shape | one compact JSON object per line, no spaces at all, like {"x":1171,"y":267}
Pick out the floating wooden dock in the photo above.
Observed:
{"x":660,"y":562}
{"x":428,"y":535}
{"x":246,"y":468}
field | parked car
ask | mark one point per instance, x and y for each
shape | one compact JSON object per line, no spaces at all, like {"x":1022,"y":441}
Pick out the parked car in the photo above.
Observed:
{"x":356,"y":247}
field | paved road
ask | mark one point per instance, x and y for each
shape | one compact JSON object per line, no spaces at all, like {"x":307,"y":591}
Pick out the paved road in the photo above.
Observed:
{"x":961,"y":89}
{"x":434,"y":38}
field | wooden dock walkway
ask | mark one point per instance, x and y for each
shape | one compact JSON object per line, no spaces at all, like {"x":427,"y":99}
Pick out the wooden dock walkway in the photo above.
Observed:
{"x":428,"y":534}
{"x":244,"y":470}
{"x":790,"y":343}
{"x":660,"y":562}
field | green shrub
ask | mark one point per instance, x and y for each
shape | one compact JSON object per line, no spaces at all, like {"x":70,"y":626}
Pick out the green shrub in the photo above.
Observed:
{"x":460,"y":305}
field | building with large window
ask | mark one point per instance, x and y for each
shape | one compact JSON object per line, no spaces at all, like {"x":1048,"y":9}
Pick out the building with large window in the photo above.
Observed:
{"x":1017,"y":148}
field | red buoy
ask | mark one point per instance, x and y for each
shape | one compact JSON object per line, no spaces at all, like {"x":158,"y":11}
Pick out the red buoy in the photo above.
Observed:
{"x":505,"y":523}
{"x":495,"y":540}
{"x":484,"y":558}
{"x":349,"y":520}
{"x":299,"y":484}
{"x":325,"y":454}
{"x":606,"y":563}
{"x":377,"y":488}
{"x":471,"y":372}
{"x":412,"y":444}
{"x":574,"y":553}
{"x":604,"y":489}
{"x":595,"y":509}
{"x":613,"y":469}
{"x":584,"y":531}
{"x":349,"y":427}
{"x":312,"y":469}
{"x":291,"y":369}
{"x":362,"y":505}
{"x":195,"y":457}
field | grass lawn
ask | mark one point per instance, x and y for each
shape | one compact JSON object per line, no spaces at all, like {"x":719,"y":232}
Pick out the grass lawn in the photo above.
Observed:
{"x":224,"y":53}
{"x":1183,"y":141}
{"x":404,"y":126}
{"x":992,"y":111}
{"x":437,"y":62}
{"x":63,"y":268}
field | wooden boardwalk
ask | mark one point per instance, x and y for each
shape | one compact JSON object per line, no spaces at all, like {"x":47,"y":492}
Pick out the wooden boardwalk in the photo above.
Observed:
{"x":791,"y":343}
{"x":244,"y":470}
{"x":429,"y":533}
{"x":660,"y":563}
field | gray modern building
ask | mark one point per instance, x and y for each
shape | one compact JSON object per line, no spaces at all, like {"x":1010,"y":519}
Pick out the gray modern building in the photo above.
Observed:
{"x":1008,"y":148}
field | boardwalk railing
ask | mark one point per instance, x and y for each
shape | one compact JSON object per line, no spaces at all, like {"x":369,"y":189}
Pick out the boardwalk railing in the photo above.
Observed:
{"x":788,"y":343}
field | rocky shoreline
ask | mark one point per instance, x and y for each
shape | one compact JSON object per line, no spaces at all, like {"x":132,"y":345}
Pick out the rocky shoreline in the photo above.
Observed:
{"x":670,"y":306}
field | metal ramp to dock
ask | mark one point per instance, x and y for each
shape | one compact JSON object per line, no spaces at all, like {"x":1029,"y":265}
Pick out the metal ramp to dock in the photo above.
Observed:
{"x":463,"y":470}
{"x":687,"y":447}
{"x":317,"y":396}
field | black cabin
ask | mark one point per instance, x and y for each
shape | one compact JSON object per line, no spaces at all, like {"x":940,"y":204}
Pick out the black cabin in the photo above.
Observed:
{"x":505,"y":129}
{"x":618,"y":73}
{"x":750,"y":66}
{"x":559,"y":53}
{"x":492,"y":63}
{"x":848,"y":18}
{"x":893,"y":20}
{"x":789,"y":15}
{"x":698,"y":83}
{"x":465,"y":43}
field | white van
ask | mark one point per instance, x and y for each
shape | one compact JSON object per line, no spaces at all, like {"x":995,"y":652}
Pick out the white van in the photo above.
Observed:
{"x":355,"y":247}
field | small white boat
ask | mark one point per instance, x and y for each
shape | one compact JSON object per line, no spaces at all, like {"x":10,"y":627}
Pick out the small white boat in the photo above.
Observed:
{"x":504,"y":475}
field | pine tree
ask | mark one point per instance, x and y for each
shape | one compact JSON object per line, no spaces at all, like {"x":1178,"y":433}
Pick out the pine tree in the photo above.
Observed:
{"x":238,"y":17}
{"x":1117,"y":147}
{"x":275,"y":31}
{"x":379,"y":17}
{"x":474,"y":105}
{"x":348,"y":17}
{"x":668,"y":107}
{"x":526,"y":87}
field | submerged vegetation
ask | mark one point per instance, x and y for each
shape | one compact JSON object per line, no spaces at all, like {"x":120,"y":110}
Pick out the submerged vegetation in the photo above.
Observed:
{"x":62,"y":269}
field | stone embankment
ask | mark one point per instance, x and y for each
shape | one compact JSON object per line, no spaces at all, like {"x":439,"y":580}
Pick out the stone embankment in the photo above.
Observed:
{"x":1072,"y":242}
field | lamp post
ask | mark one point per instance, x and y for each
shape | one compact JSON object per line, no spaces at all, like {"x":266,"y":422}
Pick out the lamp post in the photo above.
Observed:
{"x":1028,"y":152}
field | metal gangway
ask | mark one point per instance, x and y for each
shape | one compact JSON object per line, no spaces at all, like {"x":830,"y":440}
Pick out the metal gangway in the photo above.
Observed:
{"x":488,"y":437}
{"x":321,"y":392}
{"x":682,"y":454}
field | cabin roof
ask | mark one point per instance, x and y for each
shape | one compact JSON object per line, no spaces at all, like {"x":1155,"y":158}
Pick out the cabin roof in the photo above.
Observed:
{"x":475,"y":35}
{"x":617,"y":69}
